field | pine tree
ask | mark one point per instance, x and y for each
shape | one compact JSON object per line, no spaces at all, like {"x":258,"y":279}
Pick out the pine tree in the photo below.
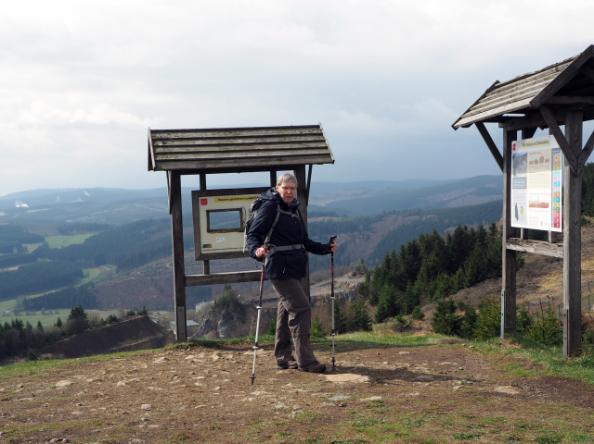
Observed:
{"x":388,"y":305}
{"x":77,"y":320}
{"x":445,"y":320}
{"x":358,"y":317}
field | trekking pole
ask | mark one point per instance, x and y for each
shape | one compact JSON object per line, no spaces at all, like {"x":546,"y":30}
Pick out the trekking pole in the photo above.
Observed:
{"x":259,"y":309}
{"x":332,"y":239}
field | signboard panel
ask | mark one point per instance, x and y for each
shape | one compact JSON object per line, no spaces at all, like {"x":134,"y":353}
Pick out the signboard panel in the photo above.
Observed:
{"x":219,"y":218}
{"x":536,"y":184}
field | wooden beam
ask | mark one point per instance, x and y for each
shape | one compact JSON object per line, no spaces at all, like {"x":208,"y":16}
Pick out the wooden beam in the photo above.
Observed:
{"x":571,"y":100}
{"x":527,"y":133}
{"x":168,"y":173}
{"x":588,"y":72}
{"x":193,"y":280}
{"x":585,"y":154}
{"x":490,"y":143}
{"x":529,"y":121}
{"x":230,"y":165}
{"x":177,"y":236}
{"x":508,"y":257}
{"x":572,"y":192}
{"x":535,"y":247}
{"x":570,"y":155}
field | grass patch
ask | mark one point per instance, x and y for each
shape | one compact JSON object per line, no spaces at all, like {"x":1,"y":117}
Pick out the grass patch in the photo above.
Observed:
{"x":7,"y":305}
{"x":62,"y":241}
{"x":40,"y":366}
{"x":392,"y":339}
{"x":548,"y":359}
{"x":467,"y":436}
{"x":92,"y":274}
{"x":348,"y":340}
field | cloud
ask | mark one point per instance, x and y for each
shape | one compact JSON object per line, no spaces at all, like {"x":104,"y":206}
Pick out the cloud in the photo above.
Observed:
{"x":81,"y":81}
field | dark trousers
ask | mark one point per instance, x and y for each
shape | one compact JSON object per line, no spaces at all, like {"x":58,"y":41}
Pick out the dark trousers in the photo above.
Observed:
{"x":293,"y":321}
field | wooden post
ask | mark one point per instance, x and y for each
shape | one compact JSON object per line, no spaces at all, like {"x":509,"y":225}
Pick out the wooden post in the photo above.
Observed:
{"x":509,"y":263}
{"x":302,"y":198}
{"x":177,"y":234}
{"x":205,"y":262}
{"x":572,"y":192}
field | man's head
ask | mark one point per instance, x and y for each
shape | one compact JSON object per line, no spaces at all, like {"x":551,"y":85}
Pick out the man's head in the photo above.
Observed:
{"x":286,"y":187}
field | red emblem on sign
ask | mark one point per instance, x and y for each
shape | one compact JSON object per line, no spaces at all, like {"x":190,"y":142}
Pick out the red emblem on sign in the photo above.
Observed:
{"x":204,"y":201}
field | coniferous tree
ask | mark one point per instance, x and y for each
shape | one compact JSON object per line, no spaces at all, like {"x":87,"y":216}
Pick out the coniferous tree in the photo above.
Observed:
{"x":358,"y":317}
{"x":388,"y":305}
{"x":77,"y":321}
{"x":445,"y":320}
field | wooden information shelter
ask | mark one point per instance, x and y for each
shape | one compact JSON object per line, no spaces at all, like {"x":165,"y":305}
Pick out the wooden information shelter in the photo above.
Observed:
{"x":558,"y":95}
{"x":202,"y":152}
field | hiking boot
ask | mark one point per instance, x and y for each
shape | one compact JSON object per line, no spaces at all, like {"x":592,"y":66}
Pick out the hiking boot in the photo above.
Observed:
{"x":284,"y":364}
{"x":314,"y":368}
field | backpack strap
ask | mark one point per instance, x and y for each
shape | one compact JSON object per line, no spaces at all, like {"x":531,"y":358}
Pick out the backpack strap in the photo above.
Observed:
{"x":269,"y":235}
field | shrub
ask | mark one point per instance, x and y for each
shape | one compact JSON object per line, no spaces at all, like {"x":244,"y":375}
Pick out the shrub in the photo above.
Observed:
{"x":229,"y":303}
{"x":489,"y":320}
{"x":523,"y":321}
{"x":445,"y":320}
{"x":467,"y":322}
{"x":418,"y":314}
{"x":317,"y":331}
{"x":357,"y":316}
{"x":546,"y":328}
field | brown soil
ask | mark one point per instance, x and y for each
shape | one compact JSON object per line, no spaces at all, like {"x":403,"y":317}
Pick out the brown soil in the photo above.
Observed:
{"x":439,"y":393}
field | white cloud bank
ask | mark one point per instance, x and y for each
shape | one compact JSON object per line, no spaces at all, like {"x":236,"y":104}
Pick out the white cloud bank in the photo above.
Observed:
{"x":80,"y":82}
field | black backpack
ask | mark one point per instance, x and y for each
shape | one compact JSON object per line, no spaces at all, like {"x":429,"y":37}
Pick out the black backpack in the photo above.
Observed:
{"x":254,"y":207}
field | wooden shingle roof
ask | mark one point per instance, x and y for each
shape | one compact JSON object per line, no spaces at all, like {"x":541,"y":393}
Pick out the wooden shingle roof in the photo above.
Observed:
{"x":231,"y":149}
{"x":528,"y":91}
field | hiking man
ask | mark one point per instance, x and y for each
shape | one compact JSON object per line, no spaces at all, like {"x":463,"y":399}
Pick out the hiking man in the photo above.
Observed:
{"x":278,"y":236}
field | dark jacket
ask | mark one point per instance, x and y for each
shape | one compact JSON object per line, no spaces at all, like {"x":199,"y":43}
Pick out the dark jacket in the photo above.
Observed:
{"x":289,"y":230}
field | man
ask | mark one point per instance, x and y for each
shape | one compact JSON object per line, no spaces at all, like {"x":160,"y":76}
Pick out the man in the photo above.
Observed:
{"x":279,"y":237}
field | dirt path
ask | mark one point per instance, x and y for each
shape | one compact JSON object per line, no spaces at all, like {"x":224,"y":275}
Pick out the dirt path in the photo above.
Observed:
{"x":418,"y":394}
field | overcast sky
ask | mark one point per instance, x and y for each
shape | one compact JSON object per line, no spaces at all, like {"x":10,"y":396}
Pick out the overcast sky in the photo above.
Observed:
{"x":81,"y":81}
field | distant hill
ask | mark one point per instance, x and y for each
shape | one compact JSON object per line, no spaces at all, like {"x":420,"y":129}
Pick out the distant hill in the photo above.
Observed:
{"x":124,"y":236}
{"x":114,"y":206}
{"x":447,"y":194}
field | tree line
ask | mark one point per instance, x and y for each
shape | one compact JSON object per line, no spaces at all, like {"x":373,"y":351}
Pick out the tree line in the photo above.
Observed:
{"x":21,"y":339}
{"x":432,"y":267}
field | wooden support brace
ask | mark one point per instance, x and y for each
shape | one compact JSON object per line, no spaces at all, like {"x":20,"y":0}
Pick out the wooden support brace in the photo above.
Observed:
{"x":535,"y":247}
{"x":490,"y":143}
{"x":169,"y":191}
{"x":192,"y":280}
{"x":572,"y":159}
{"x":586,"y":151}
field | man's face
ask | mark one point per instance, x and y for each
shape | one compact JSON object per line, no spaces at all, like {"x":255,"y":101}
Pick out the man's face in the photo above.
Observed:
{"x":287,"y":191}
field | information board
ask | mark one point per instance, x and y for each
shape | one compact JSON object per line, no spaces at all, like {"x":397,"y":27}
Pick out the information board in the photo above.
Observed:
{"x":219,"y":218}
{"x":536,"y":184}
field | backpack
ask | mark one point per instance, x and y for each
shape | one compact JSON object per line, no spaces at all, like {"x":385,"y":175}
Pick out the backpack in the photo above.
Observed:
{"x":254,"y":207}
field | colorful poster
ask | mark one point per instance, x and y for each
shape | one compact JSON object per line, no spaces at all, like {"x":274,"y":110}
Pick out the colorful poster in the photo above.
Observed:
{"x":536,"y":184}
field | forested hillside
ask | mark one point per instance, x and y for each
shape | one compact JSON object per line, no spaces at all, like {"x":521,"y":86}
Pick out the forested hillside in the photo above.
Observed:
{"x":432,"y":267}
{"x":76,"y":258}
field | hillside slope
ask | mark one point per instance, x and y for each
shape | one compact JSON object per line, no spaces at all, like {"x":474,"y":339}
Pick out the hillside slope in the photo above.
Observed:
{"x":540,"y":281}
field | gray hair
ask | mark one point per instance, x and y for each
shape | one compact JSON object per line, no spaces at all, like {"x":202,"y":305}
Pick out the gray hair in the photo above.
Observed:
{"x":287,"y":177}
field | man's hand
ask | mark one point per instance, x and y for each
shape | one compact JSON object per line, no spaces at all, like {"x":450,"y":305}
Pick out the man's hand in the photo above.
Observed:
{"x":261,"y":252}
{"x":332,"y":244}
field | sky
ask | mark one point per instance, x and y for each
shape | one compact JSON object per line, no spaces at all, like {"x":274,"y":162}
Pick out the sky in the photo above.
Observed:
{"x":82,"y":81}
